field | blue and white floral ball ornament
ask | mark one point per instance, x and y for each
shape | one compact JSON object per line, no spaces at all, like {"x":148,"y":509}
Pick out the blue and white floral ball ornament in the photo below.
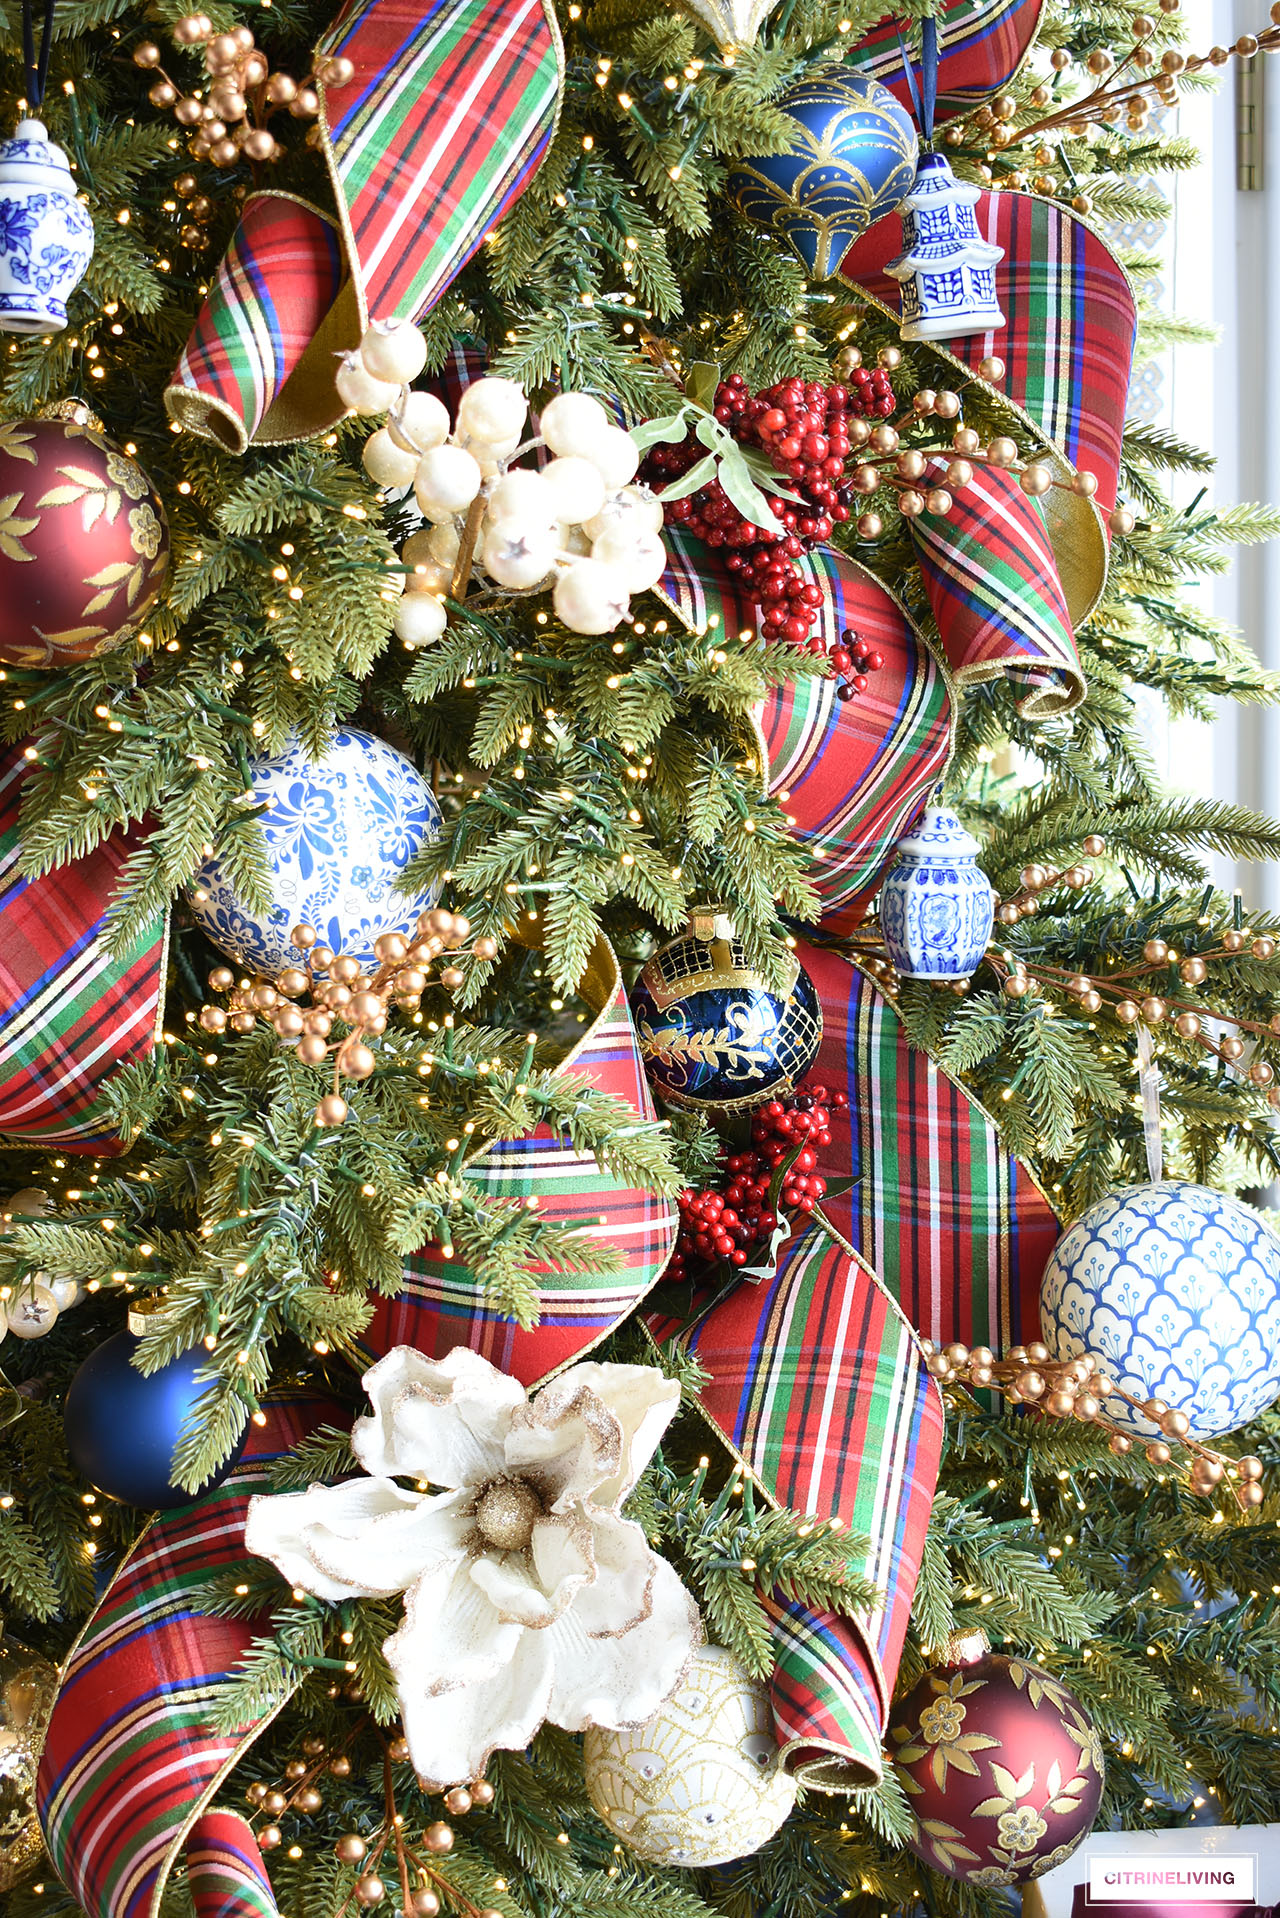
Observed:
{"x":339,"y":833}
{"x":1175,"y":1290}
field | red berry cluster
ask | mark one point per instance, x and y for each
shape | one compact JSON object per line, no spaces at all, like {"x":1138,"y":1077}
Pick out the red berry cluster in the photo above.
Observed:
{"x":804,"y":430}
{"x":726,"y":1224}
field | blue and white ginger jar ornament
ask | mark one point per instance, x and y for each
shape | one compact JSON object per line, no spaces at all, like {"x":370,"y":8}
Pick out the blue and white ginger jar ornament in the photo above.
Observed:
{"x":339,"y":836}
{"x":936,"y":904}
{"x":46,"y":236}
{"x":854,"y":158}
{"x":946,"y":269}
{"x":712,"y":1033}
{"x":1175,"y":1290}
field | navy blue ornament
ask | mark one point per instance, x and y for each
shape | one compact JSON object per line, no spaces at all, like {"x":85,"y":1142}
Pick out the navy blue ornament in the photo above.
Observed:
{"x":854,"y":159}
{"x":121,"y":1427}
{"x":712,"y":1033}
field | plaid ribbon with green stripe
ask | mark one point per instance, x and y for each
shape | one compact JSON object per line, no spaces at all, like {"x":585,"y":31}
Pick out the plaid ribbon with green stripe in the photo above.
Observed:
{"x":818,"y":1385}
{"x":981,"y":44}
{"x":71,"y":1014}
{"x":852,"y":776}
{"x":444,"y":1303}
{"x":988,"y":569}
{"x":450,"y":112}
{"x":953,"y":1224}
{"x":132,"y":1758}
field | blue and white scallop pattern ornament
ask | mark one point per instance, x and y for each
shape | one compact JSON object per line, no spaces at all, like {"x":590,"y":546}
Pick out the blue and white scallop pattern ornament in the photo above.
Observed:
{"x":340,"y":833}
{"x":1175,"y":1290}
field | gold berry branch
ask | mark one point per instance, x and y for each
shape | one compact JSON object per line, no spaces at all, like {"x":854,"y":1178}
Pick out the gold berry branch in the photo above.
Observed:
{"x":299,"y":1790}
{"x":1075,"y":1388}
{"x":305,"y":1000}
{"x":420,"y":1900}
{"x":228,"y":120}
{"x":926,"y":478}
{"x":1112,"y":94}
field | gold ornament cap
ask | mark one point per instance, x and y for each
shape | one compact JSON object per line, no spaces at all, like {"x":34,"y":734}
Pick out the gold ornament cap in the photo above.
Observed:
{"x":967,"y":1647}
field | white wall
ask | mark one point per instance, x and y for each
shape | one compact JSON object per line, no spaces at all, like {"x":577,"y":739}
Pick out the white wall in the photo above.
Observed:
{"x":1223,"y":254}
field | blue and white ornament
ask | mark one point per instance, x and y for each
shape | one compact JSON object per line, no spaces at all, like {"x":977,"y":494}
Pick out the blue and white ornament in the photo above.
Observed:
{"x":946,"y":269}
{"x":711,"y":1032}
{"x":854,"y":159}
{"x":1175,"y":1290}
{"x":46,"y":236}
{"x":936,"y":904}
{"x":339,"y":834}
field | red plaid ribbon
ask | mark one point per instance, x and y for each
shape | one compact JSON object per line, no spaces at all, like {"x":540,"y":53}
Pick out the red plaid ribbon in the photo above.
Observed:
{"x":1068,"y":344}
{"x":444,"y":1304}
{"x":981,"y":44}
{"x":70,"y":1014}
{"x":851,"y":775}
{"x":450,"y":112}
{"x":989,"y":571}
{"x":819,"y":1388}
{"x":131,"y":1759}
{"x":956,"y":1228}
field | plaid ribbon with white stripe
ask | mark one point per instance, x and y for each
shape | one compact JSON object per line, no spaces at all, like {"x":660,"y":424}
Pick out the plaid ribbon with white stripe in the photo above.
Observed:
{"x":989,"y":572}
{"x":131,"y":1759}
{"x":817,"y":1384}
{"x":981,"y":44}
{"x":450,"y":112}
{"x":444,"y":1303}
{"x":1067,"y":350}
{"x":70,"y":1014}
{"x":851,"y":775}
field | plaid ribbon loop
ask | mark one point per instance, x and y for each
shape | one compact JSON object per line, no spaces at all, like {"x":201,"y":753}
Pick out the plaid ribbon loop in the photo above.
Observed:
{"x":852,"y":776}
{"x":988,"y":569}
{"x":1067,"y":349}
{"x":818,"y":1386}
{"x":132,"y":1759}
{"x":444,"y":1303}
{"x":447,"y":119}
{"x":981,"y":44}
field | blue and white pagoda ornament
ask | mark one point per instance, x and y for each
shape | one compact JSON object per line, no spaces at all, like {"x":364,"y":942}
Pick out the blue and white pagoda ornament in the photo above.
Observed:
{"x":937,"y":908}
{"x":946,"y":269}
{"x":46,"y":235}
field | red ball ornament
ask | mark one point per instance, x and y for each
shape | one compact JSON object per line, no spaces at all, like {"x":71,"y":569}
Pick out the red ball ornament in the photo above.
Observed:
{"x":1003,"y":1767}
{"x":84,"y":545}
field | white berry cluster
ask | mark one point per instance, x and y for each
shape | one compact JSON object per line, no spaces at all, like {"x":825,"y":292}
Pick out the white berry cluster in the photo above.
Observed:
{"x":578,"y":522}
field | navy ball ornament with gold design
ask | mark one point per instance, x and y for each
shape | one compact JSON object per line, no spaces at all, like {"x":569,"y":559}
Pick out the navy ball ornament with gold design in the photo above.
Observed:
{"x":712,"y":1033}
{"x":854,"y":159}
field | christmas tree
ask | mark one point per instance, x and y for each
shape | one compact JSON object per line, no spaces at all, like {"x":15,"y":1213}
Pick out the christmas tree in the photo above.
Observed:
{"x":509,"y":544}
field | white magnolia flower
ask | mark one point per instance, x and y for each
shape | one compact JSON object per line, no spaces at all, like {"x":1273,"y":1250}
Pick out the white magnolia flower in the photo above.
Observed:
{"x":527,"y":1595}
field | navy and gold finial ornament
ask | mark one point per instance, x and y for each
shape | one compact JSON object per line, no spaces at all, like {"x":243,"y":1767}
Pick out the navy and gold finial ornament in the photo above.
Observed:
{"x":854,"y":158}
{"x":713,"y":1034}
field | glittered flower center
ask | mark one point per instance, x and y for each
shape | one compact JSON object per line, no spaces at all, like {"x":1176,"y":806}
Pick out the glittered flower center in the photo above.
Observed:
{"x":506,"y":1512}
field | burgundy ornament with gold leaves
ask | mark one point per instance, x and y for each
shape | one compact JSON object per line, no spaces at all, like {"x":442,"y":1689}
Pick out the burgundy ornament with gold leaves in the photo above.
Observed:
{"x":84,"y":544}
{"x":1001,"y":1763}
